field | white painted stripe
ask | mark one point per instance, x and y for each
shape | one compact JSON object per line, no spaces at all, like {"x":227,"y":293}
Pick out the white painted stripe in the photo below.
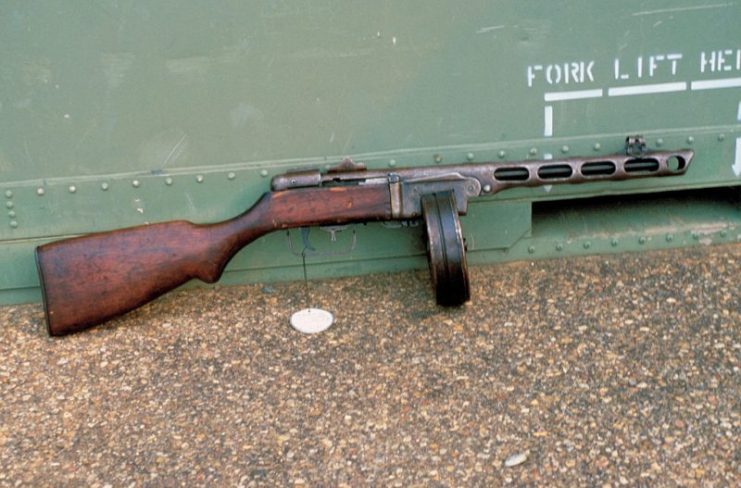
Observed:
{"x":738,"y":115}
{"x":646,"y":89}
{"x":713,"y":84}
{"x":681,"y":9}
{"x":737,"y":163}
{"x":548,"y":121}
{"x":573,"y":95}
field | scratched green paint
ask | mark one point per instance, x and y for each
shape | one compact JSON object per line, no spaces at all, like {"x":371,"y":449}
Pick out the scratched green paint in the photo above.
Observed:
{"x":184,"y":109}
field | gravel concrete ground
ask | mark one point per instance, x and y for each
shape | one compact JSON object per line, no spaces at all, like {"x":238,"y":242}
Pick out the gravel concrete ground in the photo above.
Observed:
{"x":600,"y":371}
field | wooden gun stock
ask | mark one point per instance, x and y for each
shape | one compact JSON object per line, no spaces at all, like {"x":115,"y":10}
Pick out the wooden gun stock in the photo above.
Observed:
{"x":88,"y":280}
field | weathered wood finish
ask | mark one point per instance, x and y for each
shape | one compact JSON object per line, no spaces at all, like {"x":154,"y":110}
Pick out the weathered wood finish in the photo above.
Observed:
{"x":88,"y":280}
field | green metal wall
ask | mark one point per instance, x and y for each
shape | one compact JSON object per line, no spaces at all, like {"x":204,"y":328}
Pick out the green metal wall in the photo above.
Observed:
{"x":117,"y":113}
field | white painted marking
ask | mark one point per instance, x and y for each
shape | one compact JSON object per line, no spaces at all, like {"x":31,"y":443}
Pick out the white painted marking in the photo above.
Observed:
{"x":573,"y":95}
{"x":681,"y":9}
{"x":738,"y":115}
{"x":484,"y":30}
{"x":737,"y":163}
{"x":713,"y":84}
{"x":646,"y":89}
{"x":548,"y":119}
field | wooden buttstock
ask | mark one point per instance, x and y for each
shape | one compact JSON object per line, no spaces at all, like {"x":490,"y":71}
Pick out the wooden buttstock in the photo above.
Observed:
{"x":90,"y":279}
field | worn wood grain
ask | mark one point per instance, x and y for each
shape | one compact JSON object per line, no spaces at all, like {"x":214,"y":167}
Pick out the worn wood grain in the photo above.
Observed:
{"x":90,"y":279}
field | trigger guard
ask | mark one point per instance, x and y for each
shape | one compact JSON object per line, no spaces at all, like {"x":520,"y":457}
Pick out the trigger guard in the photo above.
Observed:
{"x":446,"y":251}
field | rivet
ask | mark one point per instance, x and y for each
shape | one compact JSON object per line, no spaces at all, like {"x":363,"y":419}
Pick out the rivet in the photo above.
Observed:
{"x":437,"y":158}
{"x":40,"y":191}
{"x":614,"y":242}
{"x":659,"y":141}
{"x":8,"y":194}
{"x":559,"y":247}
{"x":486,"y":188}
{"x":168,"y":181}
{"x":723,"y":233}
{"x":263,"y":172}
{"x":502,"y":154}
{"x":392,"y":163}
{"x":531,"y":250}
{"x":669,"y":237}
{"x":11,"y":214}
{"x":690,"y":140}
{"x":199,"y":178}
{"x":231,"y":176}
{"x":104,"y":186}
{"x":721,"y":137}
{"x":533,"y":151}
{"x":564,"y":148}
{"x":13,"y":224}
{"x":9,"y":204}
{"x":587,"y":245}
{"x":135,"y":183}
{"x":642,"y":240}
{"x":72,"y":189}
{"x":597,"y":146}
{"x":470,"y":156}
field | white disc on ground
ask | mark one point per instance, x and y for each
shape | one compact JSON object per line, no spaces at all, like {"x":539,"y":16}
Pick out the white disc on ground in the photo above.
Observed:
{"x":311,"y":320}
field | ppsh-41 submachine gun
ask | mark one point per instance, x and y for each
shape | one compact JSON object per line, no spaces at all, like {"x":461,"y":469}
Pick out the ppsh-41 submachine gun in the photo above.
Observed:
{"x":90,"y":279}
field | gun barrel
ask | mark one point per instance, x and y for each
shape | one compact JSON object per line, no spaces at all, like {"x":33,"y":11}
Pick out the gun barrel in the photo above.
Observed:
{"x":581,"y":170}
{"x":497,"y":176}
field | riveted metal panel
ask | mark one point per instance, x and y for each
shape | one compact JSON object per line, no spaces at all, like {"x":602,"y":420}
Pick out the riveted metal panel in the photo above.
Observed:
{"x":115,"y":114}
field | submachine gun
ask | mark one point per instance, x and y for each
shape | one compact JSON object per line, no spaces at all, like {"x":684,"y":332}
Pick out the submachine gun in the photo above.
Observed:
{"x":90,"y":279}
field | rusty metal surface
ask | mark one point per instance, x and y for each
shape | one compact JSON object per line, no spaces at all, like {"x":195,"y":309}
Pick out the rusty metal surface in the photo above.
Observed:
{"x":470,"y":180}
